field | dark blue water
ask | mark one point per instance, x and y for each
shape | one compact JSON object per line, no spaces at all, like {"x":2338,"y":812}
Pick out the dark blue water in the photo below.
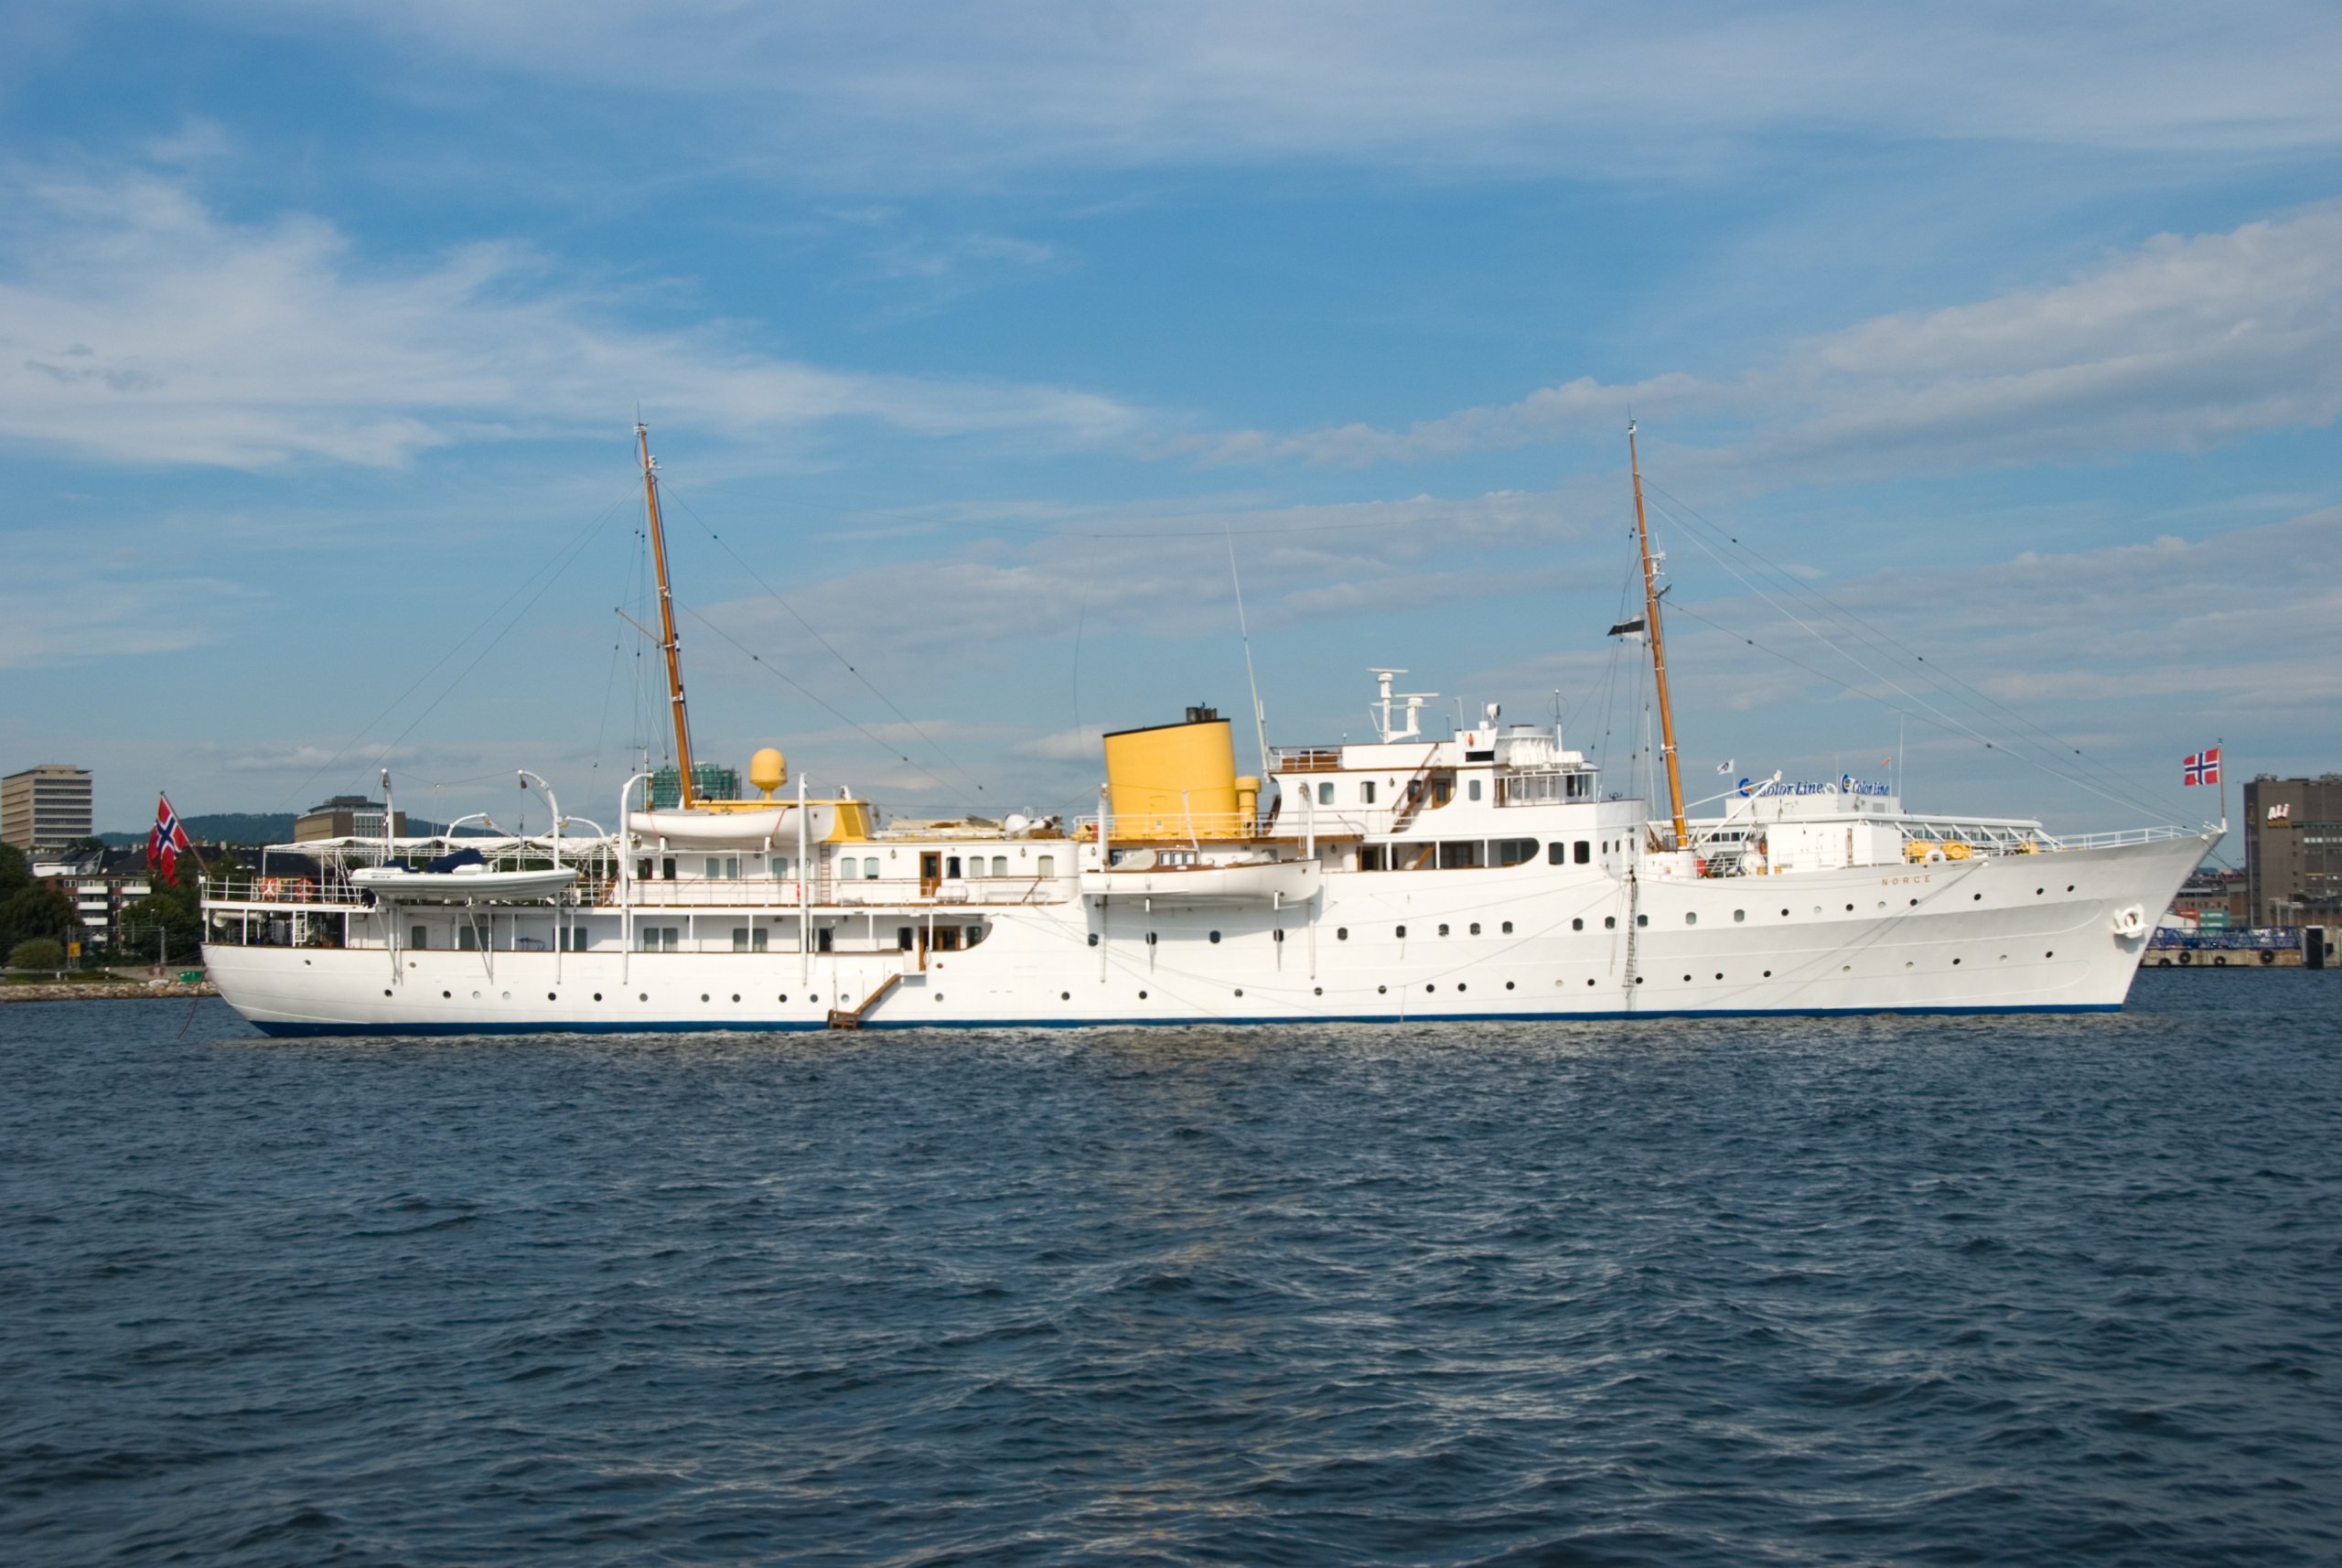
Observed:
{"x":1868,"y":1291}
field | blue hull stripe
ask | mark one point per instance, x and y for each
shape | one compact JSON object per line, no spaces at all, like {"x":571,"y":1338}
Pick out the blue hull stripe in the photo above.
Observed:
{"x":286,"y":1030}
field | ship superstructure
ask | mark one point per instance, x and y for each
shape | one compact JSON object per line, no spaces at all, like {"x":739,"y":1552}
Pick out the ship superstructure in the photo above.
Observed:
{"x":1486,"y":875}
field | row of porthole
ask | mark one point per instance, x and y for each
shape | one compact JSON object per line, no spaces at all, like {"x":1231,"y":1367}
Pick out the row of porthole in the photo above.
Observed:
{"x":640,"y":996}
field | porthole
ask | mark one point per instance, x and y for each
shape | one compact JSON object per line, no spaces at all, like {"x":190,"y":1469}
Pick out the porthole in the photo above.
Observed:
{"x":449,"y":995}
{"x":1687,"y":979}
{"x":1785,"y":914}
{"x":1690,"y":916}
{"x":1719,"y":976}
{"x":644,"y":996}
{"x":1341,"y":933}
{"x":1850,"y":908}
{"x":1577,"y":925}
{"x":550,"y":997}
{"x":598,"y":996}
{"x":1093,"y":939}
{"x":1319,"y":991}
{"x":1609,"y":922}
{"x":475,"y":995}
{"x":784,"y":996}
{"x":1955,"y":963}
{"x":1638,"y":979}
{"x":1065,"y":996}
{"x":1459,"y":986}
{"x":811,"y":996}
{"x":506,"y":995}
{"x":1141,"y":996}
{"x":1380,"y":988}
{"x":1429,"y":989}
{"x":1150,"y":940}
{"x":1215,"y":936}
{"x":2069,"y":888}
{"x":1443,"y":928}
{"x":1508,"y":985}
{"x":1846,"y":968}
{"x":1915,"y":903}
{"x":2050,"y":954}
{"x":702,"y":996}
{"x":1739,"y":916}
{"x":1403,"y":933}
{"x":2039,"y":891}
{"x":1642,"y":919}
{"x":1239,"y":991}
{"x":736,"y":996}
{"x":1507,"y":928}
{"x":1768,"y":974}
{"x":1589,"y":983}
{"x":1476,"y":928}
{"x":1976,"y":897}
{"x":386,"y":994}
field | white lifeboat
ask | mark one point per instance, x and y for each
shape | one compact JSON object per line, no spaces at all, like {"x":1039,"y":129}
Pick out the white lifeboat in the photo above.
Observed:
{"x":463,"y":883}
{"x":774,"y":825}
{"x":1142,"y":875}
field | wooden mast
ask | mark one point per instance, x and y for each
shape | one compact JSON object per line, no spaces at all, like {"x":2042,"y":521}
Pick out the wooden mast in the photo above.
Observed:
{"x":1658,"y":647}
{"x":667,"y":617}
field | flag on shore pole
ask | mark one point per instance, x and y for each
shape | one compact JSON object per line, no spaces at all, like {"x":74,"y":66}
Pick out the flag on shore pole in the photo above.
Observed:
{"x":2200,"y":768}
{"x":1724,"y":766}
{"x":164,"y":844}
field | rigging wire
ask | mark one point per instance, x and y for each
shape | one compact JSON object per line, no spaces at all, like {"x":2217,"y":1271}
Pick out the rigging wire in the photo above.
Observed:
{"x":1888,"y":646}
{"x":388,"y":708}
{"x":814,"y":632}
{"x":783,"y":675}
{"x":1946,"y":721}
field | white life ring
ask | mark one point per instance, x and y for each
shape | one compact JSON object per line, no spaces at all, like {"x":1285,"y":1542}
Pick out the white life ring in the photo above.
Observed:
{"x":2129,"y":920}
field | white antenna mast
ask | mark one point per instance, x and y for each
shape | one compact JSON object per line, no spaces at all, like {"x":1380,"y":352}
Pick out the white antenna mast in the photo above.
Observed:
{"x":1244,"y":632}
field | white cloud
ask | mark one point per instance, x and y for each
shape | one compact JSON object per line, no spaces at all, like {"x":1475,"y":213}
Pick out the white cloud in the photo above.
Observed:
{"x":925,"y":93}
{"x":135,"y":325}
{"x":2183,"y":344}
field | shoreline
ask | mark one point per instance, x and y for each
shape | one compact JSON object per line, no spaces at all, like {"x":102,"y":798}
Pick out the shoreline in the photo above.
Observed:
{"x":123,"y":990}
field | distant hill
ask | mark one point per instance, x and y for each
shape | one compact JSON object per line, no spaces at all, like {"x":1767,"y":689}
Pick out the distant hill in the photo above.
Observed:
{"x":249,"y":827}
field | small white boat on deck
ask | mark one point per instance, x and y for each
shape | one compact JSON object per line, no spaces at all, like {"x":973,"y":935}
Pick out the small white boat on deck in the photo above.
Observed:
{"x":1186,"y":877}
{"x":463,"y":883}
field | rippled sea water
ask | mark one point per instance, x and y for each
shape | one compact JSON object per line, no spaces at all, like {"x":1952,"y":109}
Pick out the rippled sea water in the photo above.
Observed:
{"x":1870,"y":1291}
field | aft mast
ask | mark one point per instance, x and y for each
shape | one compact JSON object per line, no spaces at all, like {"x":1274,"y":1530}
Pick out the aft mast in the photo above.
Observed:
{"x":667,"y":617}
{"x":1658,"y":648}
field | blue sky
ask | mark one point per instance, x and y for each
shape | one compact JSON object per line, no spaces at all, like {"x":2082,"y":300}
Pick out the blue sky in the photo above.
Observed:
{"x":971,"y":337}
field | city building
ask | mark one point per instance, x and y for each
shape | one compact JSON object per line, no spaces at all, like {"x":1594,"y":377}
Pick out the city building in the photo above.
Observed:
{"x":710,"y":781}
{"x":2293,"y":850}
{"x":343,"y":817}
{"x":101,"y":885}
{"x":47,"y":807}
{"x":2214,"y":900}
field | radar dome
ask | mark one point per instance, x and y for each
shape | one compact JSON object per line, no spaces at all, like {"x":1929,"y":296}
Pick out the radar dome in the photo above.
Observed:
{"x":768,"y":770}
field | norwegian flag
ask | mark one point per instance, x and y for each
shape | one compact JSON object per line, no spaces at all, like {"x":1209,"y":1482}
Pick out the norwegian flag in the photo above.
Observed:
{"x":2201,"y":768}
{"x":164,"y":844}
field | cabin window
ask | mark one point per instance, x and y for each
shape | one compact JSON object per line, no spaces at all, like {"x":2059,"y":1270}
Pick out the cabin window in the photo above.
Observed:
{"x":1740,"y":914}
{"x":468,"y":937}
{"x":1324,"y":791}
{"x":667,"y":869}
{"x":779,"y":867}
{"x":903,"y":938}
{"x":1577,"y":925}
{"x":952,"y":865}
{"x":739,"y":939}
{"x":1093,"y":938}
{"x":1215,"y":936}
{"x":1046,"y":866}
{"x":658,"y":939}
{"x":1457,"y":854}
{"x":1442,"y":791}
{"x":1472,"y":790}
{"x":1403,"y":933}
{"x":1642,"y":919}
{"x":1690,"y":918}
{"x":1512,"y":852}
{"x":1557,"y":854}
{"x":725,"y":867}
{"x":1609,"y":922}
{"x":573,"y":939}
{"x":1000,"y":865}
{"x":643,"y":871}
{"x":1476,"y":928}
{"x":946,"y":938}
{"x":825,"y":939}
{"x":870,"y":868}
{"x":419,"y":938}
{"x":1585,"y":852}
{"x":1508,"y":928}
{"x":1371,"y":857}
{"x":1366,"y":793}
{"x":975,"y":935}
{"x":1442,"y":928}
{"x":1341,"y":933}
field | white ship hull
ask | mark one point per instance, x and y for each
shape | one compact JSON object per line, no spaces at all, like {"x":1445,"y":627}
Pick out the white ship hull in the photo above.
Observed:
{"x":2047,"y":933}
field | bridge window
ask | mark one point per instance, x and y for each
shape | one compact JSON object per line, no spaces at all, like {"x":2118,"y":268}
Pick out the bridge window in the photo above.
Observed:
{"x":1512,"y":852}
{"x":1457,"y":854}
{"x":1371,"y":857}
{"x":974,"y":934}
